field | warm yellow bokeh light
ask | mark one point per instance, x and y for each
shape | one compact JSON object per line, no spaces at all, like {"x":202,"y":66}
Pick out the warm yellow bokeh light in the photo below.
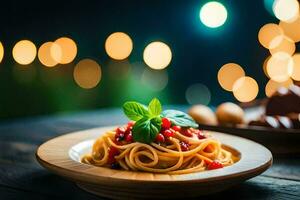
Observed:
{"x":228,"y":74}
{"x":265,"y":66}
{"x":286,"y":10}
{"x":1,"y":52}
{"x":285,"y":44}
{"x":280,"y":66}
{"x":68,"y":50}
{"x":45,"y":56}
{"x":267,"y":33}
{"x":272,"y":86}
{"x":24,"y":52}
{"x":213,"y":14}
{"x":291,"y":29}
{"x":87,"y":73}
{"x":118,"y":46}
{"x":157,"y":55}
{"x":245,"y":89}
{"x":296,"y":67}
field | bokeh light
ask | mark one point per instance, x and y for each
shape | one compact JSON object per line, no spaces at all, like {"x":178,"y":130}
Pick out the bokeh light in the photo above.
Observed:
{"x":157,"y":55}
{"x":284,"y":44}
{"x":213,"y":14}
{"x":24,"y":52}
{"x":286,"y":10}
{"x":228,"y":74}
{"x":265,"y":66}
{"x":272,"y":86}
{"x":45,"y":55}
{"x":68,"y":50}
{"x":155,"y":80}
{"x":280,"y":66}
{"x":296,"y":67}
{"x":291,"y":29}
{"x":118,"y":46}
{"x":1,"y":52}
{"x":245,"y":89}
{"x":267,"y":33}
{"x":87,"y":73}
{"x":198,"y":94}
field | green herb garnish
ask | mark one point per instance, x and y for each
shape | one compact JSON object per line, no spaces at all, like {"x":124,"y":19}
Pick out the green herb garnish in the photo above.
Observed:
{"x":149,"y":119}
{"x":180,"y":118}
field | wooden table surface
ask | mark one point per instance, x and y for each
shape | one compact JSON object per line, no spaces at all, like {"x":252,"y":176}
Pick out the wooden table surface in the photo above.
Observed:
{"x":21,"y":177}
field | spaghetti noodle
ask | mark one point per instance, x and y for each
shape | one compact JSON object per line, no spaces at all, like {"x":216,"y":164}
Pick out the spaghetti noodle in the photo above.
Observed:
{"x":170,"y":157}
{"x":158,"y":142}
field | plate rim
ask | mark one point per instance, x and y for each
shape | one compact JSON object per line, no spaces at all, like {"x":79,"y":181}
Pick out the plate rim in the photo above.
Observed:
{"x":77,"y":171}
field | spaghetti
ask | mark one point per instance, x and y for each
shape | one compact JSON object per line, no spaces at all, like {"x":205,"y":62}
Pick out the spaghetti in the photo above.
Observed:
{"x":172,"y":156}
{"x":158,"y":142}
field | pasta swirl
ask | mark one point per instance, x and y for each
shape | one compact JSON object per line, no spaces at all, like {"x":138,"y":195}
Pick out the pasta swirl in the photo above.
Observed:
{"x":160,"y":158}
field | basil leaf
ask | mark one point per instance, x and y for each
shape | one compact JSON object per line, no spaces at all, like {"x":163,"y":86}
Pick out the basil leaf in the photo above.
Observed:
{"x":180,"y":118}
{"x":155,"y":107}
{"x":135,"y":111}
{"x":145,"y":130}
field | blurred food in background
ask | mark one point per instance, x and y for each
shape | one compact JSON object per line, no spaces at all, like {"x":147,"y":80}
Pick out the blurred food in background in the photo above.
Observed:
{"x":203,"y":114}
{"x":282,"y":109}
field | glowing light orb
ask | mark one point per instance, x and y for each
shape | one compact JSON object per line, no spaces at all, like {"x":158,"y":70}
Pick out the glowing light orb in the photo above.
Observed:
{"x":286,"y":10}
{"x":268,"y":33}
{"x":1,"y":52}
{"x":198,"y":94}
{"x":118,"y":46}
{"x":272,"y":86}
{"x":157,"y":55}
{"x":228,"y":74}
{"x":245,"y":89}
{"x":284,"y":44}
{"x":265,"y":66}
{"x":87,"y":73}
{"x":291,"y":29}
{"x":45,"y":55}
{"x":68,"y":50}
{"x":296,"y":68}
{"x":280,"y":66}
{"x":213,"y":14}
{"x":24,"y":52}
{"x":155,"y":80}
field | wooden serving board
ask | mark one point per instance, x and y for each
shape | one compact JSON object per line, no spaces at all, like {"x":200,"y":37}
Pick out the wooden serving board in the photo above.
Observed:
{"x":62,"y":155}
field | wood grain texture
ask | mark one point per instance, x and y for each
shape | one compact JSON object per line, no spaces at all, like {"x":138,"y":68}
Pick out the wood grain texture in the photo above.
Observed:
{"x":117,"y":184}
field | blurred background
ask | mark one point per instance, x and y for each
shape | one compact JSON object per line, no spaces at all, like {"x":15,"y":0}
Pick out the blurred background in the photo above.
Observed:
{"x":62,"y":56}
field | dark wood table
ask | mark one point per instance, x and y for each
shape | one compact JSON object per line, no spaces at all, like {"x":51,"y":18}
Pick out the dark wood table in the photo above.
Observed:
{"x":21,"y":177}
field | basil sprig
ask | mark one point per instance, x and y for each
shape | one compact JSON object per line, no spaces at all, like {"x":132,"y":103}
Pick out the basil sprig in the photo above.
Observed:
{"x":180,"y":118}
{"x":135,"y":111}
{"x":145,"y":130}
{"x":149,"y":119}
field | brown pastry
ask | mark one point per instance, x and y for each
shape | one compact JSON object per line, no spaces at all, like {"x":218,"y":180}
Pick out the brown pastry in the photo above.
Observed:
{"x":284,"y":101}
{"x":203,"y":115}
{"x":229,"y":113}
